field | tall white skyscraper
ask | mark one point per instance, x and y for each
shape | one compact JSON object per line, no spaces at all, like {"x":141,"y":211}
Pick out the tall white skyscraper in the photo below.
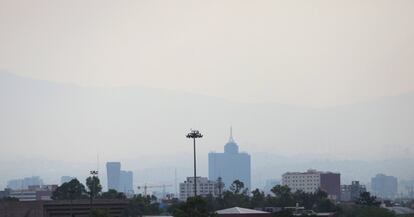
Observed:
{"x":231,"y":165}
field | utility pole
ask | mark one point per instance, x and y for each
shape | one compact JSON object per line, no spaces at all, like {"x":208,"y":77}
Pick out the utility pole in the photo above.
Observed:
{"x":193,"y":135}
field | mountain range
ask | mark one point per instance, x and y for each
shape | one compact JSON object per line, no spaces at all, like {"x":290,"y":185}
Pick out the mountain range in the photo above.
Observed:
{"x":54,"y":129}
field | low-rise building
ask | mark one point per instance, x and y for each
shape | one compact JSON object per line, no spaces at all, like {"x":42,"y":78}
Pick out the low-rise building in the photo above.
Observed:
{"x":34,"y":192}
{"x":61,"y":208}
{"x":5,"y":193}
{"x":351,"y":192}
{"x":205,"y":187}
{"x":312,"y":180}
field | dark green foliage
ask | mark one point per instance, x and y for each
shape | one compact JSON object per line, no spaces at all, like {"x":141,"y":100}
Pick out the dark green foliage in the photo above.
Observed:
{"x":99,"y":213}
{"x":194,"y":207}
{"x":283,"y":196}
{"x":283,"y":213}
{"x":237,"y":196}
{"x":94,"y":185}
{"x":364,"y":211}
{"x":142,"y":205}
{"x":70,"y":191}
{"x":325,"y":205}
{"x":258,"y":199}
{"x":305,"y":199}
{"x":237,"y":187}
{"x":112,"y":194}
{"x":213,"y":203}
{"x":366,"y":199}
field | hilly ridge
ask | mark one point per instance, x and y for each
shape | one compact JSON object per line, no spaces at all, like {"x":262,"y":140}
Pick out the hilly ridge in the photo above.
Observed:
{"x":143,"y":126}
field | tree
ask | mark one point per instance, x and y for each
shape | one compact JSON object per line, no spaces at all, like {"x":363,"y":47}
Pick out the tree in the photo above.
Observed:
{"x":237,"y":187}
{"x":236,"y":196}
{"x":284,"y":213}
{"x":281,"y":191}
{"x":306,"y":200}
{"x":325,"y":205}
{"x":284,"y":196}
{"x":142,"y":205}
{"x":363,"y":211}
{"x":220,"y":186}
{"x":113,"y":194}
{"x":70,"y":191}
{"x":322,"y":203}
{"x":99,"y":213}
{"x":94,"y":186}
{"x":366,"y":199}
{"x":193,"y":207}
{"x":258,"y":199}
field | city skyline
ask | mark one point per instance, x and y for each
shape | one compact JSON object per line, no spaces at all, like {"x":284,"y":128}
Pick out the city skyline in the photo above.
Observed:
{"x":105,"y":120}
{"x":123,"y":108}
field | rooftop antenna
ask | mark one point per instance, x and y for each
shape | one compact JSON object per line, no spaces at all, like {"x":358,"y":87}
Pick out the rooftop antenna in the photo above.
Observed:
{"x":97,"y":163}
{"x":175,"y":182}
{"x":231,"y":134}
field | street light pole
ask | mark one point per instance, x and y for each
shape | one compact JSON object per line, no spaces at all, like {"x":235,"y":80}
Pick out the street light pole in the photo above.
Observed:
{"x":193,"y":135}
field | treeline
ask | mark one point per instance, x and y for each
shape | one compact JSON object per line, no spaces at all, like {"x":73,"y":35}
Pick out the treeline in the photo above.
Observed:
{"x":74,"y":190}
{"x":282,"y":197}
{"x":236,"y":195}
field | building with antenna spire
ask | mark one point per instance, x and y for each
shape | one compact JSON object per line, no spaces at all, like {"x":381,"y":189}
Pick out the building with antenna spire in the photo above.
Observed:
{"x":230,"y":165}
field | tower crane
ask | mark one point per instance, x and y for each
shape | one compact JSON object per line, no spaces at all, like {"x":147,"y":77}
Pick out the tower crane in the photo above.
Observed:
{"x":146,"y":187}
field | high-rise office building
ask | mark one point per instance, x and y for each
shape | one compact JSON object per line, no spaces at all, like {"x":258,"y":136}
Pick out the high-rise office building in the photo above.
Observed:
{"x":24,"y":183}
{"x":113,"y":171}
{"x":384,"y":186}
{"x":312,"y":180}
{"x":125,"y":181}
{"x":230,"y":165}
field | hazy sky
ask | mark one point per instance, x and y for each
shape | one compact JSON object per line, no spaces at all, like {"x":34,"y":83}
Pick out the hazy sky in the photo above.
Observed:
{"x":314,"y":53}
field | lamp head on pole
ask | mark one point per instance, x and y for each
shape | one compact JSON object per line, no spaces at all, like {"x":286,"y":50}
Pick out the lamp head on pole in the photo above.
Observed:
{"x":194,"y":134}
{"x":94,"y":172}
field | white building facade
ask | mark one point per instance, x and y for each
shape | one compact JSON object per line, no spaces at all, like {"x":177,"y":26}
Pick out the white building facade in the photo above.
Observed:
{"x":205,"y":187}
{"x":312,"y":180}
{"x":308,"y":182}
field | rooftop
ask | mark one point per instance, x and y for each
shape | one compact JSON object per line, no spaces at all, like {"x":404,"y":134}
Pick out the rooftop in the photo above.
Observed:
{"x":239,"y":210}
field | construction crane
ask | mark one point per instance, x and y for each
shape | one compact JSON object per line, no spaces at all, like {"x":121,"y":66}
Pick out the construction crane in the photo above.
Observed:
{"x":145,"y":187}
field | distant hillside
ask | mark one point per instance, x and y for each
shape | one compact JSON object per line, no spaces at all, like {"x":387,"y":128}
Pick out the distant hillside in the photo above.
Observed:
{"x":146,"y":127}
